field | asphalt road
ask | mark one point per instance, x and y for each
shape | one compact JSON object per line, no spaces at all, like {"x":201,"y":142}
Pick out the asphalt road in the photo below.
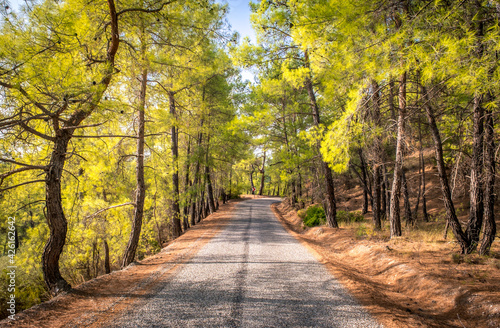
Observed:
{"x":253,"y":274}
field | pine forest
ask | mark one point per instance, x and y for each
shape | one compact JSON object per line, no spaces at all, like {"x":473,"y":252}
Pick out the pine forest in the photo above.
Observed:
{"x":125,"y":123}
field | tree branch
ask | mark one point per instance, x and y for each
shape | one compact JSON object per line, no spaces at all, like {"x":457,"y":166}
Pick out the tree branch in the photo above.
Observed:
{"x":21,"y":184}
{"x":107,"y":208}
{"x":7,"y":160}
{"x":145,"y":10}
{"x":22,"y":169}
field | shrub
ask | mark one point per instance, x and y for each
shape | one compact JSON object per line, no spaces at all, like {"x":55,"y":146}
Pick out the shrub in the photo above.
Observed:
{"x":344,"y":216}
{"x":314,"y":216}
{"x":302,"y":213}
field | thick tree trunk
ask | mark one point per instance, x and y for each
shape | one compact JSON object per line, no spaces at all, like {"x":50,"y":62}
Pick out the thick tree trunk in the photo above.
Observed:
{"x":56,"y":219}
{"x":176,"y":219}
{"x":140,"y":192}
{"x":330,"y":205}
{"x":394,"y":215}
{"x":490,"y":228}
{"x":476,"y":186}
{"x":443,"y":177}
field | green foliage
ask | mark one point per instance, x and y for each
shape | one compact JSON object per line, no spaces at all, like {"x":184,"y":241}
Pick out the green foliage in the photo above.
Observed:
{"x":315,"y":216}
{"x":302,"y":213}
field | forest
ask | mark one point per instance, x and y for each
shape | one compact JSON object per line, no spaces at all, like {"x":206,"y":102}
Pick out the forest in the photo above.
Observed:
{"x":125,"y":123}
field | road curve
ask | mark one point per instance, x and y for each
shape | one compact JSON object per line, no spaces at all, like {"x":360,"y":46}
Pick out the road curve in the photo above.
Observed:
{"x":253,"y":274}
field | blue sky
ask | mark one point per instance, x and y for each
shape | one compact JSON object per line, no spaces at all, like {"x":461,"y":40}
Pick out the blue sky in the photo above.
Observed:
{"x":239,"y":17}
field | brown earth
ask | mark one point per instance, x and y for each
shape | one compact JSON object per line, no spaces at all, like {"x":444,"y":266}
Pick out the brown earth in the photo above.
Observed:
{"x":95,"y":301}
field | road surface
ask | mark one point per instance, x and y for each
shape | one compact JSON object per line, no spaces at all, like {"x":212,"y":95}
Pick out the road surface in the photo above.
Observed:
{"x":253,"y":274}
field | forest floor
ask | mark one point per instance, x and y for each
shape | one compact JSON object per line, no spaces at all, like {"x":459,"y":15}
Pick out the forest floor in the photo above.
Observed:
{"x":90,"y":303}
{"x":415,"y":280}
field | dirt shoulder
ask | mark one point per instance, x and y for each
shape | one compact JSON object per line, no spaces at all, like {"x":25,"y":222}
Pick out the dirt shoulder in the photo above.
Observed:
{"x":405,"y":283}
{"x":97,"y":300}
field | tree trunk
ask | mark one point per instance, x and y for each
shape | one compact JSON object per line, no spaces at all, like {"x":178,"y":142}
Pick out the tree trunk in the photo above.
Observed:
{"x":210,"y":191}
{"x":196,"y":180}
{"x":331,"y":206}
{"x":394,"y":215}
{"x":391,"y":100}
{"x":476,"y":187}
{"x":406,"y":196}
{"x":176,"y":220}
{"x":140,"y":192}
{"x":443,"y":177}
{"x":386,"y":194}
{"x":252,"y":186}
{"x":376,"y":198}
{"x":364,"y":178}
{"x":490,"y":228}
{"x":107,"y":267}
{"x":187,"y":185}
{"x":262,"y":178}
{"x":58,"y":226}
{"x":422,"y":180}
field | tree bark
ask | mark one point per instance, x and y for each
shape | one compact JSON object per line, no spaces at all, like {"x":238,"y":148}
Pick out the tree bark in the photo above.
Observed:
{"x":140,"y":192}
{"x":376,"y":198}
{"x":262,"y":172}
{"x":56,"y":219}
{"x":196,"y":179}
{"x":406,"y":196}
{"x":187,"y":186}
{"x":476,"y":187}
{"x":208,"y":179}
{"x":107,"y":267}
{"x":443,"y":177}
{"x":386,"y":194}
{"x":490,"y":228}
{"x":252,"y":186}
{"x":422,"y":187}
{"x":365,"y":181}
{"x":176,"y":219}
{"x":394,"y":215}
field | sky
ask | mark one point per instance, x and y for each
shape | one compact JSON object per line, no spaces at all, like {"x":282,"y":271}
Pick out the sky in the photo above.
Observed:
{"x":239,"y":17}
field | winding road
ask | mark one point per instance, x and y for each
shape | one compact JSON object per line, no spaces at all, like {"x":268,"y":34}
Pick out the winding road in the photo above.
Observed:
{"x":252,"y":274}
